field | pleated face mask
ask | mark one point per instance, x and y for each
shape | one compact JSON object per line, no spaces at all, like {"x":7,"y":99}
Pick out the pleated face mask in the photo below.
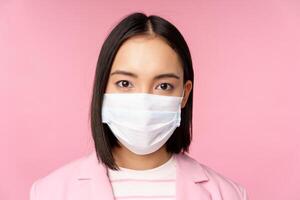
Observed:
{"x":142,"y":122}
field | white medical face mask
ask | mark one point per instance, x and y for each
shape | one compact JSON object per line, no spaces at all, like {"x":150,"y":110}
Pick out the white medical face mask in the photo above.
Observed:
{"x":142,"y":122}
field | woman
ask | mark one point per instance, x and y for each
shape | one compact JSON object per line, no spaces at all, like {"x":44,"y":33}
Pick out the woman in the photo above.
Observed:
{"x":141,"y":120}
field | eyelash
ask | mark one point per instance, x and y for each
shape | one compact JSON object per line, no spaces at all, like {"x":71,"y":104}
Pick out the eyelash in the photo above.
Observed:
{"x":118,"y":82}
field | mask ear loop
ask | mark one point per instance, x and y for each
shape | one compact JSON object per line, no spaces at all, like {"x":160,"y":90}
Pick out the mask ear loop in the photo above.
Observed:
{"x":179,"y":110}
{"x":182,"y":94}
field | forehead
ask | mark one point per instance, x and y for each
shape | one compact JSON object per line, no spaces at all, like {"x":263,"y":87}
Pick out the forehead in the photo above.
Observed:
{"x":147,"y":55}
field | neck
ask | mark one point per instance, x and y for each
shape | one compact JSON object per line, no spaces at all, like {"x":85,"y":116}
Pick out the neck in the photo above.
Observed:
{"x":126,"y":159}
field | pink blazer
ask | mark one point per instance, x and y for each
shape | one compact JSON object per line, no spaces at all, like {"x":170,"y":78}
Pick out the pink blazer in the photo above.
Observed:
{"x":86,"y":179}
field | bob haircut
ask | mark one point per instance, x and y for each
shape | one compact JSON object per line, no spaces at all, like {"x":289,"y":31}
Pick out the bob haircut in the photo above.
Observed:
{"x":138,"y":24}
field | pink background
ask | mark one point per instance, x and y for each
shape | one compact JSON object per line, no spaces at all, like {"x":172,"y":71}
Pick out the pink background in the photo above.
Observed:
{"x":246,"y":111}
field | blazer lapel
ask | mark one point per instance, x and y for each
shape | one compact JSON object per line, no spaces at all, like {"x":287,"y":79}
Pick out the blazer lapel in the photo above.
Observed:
{"x":93,"y":178}
{"x":190,"y":179}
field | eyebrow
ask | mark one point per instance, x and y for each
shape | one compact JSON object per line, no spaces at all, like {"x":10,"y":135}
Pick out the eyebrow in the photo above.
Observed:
{"x":165,"y":75}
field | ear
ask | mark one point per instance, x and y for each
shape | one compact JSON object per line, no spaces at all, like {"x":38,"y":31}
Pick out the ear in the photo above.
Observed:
{"x":187,"y":89}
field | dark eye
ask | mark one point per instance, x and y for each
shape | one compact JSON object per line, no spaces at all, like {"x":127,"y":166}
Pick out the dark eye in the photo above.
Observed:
{"x":123,"y":83}
{"x":165,"y":86}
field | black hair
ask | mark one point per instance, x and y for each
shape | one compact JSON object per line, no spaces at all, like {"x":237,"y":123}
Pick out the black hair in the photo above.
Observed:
{"x":138,"y":24}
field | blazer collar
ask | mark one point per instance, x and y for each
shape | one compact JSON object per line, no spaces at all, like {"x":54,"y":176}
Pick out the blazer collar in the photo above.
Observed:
{"x":187,"y":166}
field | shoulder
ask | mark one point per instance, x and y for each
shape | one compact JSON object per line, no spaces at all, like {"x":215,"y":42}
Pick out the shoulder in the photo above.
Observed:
{"x":57,"y":180}
{"x":215,"y":182}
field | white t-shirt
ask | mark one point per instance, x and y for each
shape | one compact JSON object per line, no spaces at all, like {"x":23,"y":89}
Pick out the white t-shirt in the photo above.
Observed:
{"x":158,"y":183}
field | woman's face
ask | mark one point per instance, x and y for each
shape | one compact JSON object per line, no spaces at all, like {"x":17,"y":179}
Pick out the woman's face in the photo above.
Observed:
{"x":147,"y":64}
